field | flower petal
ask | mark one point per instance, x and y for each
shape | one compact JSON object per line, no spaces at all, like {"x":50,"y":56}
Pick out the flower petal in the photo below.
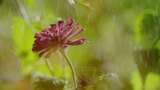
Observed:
{"x":67,"y":33}
{"x":78,"y":31}
{"x":69,"y":21}
{"x":57,"y":36}
{"x":61,"y":25}
{"x":76,"y":42}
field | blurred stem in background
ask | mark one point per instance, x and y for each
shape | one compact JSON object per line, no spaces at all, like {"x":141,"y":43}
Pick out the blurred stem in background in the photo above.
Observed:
{"x":71,"y":67}
{"x":24,"y":13}
{"x":48,"y":66}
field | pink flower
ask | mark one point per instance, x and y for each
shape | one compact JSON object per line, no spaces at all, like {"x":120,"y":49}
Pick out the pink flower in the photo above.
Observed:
{"x":57,"y":36}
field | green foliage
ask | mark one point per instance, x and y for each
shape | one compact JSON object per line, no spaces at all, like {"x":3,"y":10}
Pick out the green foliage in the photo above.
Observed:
{"x":46,"y":83}
{"x":89,"y":13}
{"x":152,"y":82}
{"x":23,"y":38}
{"x":30,"y":2}
{"x":147,"y":29}
{"x":136,"y":81}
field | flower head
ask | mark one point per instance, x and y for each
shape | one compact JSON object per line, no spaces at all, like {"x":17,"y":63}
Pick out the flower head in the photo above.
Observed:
{"x":57,"y":36}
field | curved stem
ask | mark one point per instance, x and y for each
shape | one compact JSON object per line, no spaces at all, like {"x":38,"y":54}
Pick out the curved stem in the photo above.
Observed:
{"x":71,"y":67}
{"x":47,"y":64}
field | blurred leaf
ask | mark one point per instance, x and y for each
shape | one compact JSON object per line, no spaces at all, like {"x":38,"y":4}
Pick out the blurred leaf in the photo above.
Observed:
{"x":152,"y":82}
{"x":140,"y":4}
{"x":84,"y":3}
{"x":30,"y":2}
{"x":136,"y":81}
{"x":147,"y":29}
{"x":22,"y":36}
{"x":46,"y":83}
{"x":23,"y":39}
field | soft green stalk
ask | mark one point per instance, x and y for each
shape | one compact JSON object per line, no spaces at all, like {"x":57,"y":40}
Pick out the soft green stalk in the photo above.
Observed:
{"x":47,"y":64}
{"x":71,"y":67}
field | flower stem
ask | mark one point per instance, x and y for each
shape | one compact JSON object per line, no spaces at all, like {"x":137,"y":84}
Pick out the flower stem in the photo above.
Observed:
{"x":71,"y":67}
{"x":47,"y":64}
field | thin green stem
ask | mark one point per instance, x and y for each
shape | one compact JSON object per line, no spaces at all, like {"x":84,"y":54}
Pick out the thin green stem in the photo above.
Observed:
{"x":71,"y":67}
{"x":47,"y":64}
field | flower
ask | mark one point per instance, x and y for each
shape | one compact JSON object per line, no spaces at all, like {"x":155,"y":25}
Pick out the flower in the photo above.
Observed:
{"x":57,"y":36}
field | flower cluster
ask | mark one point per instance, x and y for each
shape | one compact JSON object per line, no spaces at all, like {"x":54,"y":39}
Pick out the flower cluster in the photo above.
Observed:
{"x":57,"y":36}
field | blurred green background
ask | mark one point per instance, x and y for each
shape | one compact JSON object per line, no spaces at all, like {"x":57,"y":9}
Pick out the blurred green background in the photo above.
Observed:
{"x":122,"y":51}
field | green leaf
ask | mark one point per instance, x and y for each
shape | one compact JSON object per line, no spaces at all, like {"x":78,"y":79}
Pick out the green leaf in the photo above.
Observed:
{"x":22,"y":35}
{"x":136,"y":81}
{"x":23,"y":38}
{"x":148,"y":29}
{"x":152,"y":82}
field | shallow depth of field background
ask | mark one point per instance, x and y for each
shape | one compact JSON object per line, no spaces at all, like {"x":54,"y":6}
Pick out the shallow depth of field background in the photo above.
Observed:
{"x":122,"y":51}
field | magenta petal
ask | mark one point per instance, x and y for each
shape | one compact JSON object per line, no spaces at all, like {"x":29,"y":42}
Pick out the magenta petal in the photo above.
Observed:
{"x":76,"y":42}
{"x":69,"y":22}
{"x":57,"y":36}
{"x":53,"y":26}
{"x":67,"y":33}
{"x":78,"y":31}
{"x":61,"y":24}
{"x":65,"y":46}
